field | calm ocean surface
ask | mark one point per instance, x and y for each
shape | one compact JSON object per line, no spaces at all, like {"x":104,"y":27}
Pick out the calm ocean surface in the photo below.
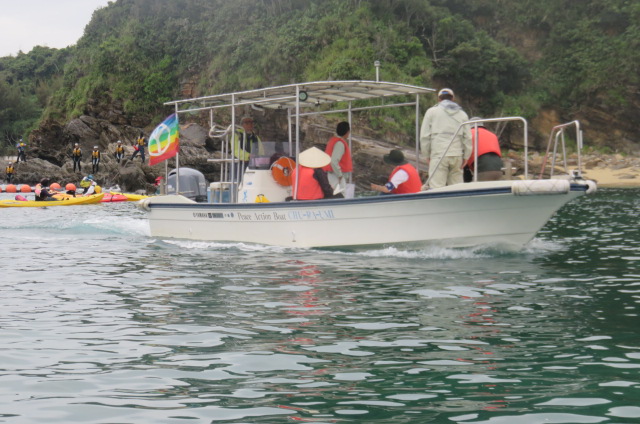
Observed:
{"x":101,"y":323}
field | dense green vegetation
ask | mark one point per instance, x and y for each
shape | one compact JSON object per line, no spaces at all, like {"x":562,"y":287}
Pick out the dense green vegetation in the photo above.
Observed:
{"x":501,"y":57}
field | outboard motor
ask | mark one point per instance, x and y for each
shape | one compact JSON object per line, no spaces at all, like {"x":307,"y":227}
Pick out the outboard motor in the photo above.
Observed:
{"x":192,"y":184}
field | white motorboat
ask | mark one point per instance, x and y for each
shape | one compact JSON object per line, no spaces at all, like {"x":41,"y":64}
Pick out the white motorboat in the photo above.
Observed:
{"x":506,"y":213}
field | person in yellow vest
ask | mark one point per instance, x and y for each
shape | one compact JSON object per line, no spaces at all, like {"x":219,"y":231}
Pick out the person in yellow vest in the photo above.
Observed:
{"x":95,"y":160}
{"x":9,"y":170}
{"x":245,"y":142}
{"x":312,"y":182}
{"x":76,"y":156}
{"x":138,"y":147}
{"x":22,"y":152}
{"x":119,"y":152}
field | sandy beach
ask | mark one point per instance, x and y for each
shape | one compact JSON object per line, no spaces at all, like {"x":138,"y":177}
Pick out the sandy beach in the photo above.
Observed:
{"x":612,"y":170}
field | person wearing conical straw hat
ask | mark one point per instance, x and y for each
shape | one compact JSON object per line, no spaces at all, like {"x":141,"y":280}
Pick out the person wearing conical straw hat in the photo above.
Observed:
{"x":312,"y":183}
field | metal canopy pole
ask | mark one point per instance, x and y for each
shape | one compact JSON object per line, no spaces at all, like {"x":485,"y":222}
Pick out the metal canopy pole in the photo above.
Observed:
{"x":350,"y":142}
{"x":418,"y":132}
{"x":295,"y":191}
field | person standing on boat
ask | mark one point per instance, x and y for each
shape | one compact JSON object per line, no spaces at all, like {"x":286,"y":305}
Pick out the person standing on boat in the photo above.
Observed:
{"x":446,"y":157}
{"x":138,"y":147}
{"x":489,"y":154}
{"x":244,"y":142}
{"x":312,"y":183}
{"x":403,"y":179}
{"x":9,"y":170}
{"x":341,"y":166}
{"x":76,"y":156}
{"x":119,"y":155}
{"x":95,"y":160}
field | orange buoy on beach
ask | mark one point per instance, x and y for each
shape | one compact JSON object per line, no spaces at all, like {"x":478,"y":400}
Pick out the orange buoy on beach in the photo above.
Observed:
{"x":55,"y":186}
{"x":25,"y":188}
{"x":70,"y":187}
{"x":10,"y":188}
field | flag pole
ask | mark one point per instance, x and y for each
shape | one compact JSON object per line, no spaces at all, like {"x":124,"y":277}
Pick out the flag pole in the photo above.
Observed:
{"x":177,"y":156}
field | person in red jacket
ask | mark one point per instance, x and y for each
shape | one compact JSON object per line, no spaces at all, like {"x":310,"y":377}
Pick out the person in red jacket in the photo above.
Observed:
{"x":489,"y":154}
{"x":312,"y":182}
{"x":403,"y":179}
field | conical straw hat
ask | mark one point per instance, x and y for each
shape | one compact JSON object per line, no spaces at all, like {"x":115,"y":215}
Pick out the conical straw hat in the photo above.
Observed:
{"x":314,"y":158}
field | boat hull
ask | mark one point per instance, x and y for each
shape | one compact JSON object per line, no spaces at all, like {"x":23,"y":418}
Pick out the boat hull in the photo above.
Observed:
{"x":468,"y":215}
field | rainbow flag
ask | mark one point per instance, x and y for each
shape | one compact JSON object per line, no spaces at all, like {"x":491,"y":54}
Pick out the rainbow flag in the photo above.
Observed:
{"x":164,"y":140}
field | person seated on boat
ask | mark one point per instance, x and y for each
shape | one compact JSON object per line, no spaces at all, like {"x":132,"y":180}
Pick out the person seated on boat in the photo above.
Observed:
{"x":245,"y":142}
{"x":403,"y":179}
{"x":91,"y":189}
{"x":42,"y":191}
{"x":86,"y":183}
{"x":70,"y":189}
{"x":489,"y":155}
{"x":312,"y":183}
{"x":446,"y":155}
{"x":278,"y":152}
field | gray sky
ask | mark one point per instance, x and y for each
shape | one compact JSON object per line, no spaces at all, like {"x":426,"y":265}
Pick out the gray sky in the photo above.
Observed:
{"x":25,"y":24}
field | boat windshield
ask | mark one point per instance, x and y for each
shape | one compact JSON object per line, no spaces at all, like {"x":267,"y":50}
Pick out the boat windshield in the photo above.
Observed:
{"x":271,"y":151}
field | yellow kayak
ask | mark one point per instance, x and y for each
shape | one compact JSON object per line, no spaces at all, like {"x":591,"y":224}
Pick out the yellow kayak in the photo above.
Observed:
{"x":69,"y":201}
{"x":134,"y":197}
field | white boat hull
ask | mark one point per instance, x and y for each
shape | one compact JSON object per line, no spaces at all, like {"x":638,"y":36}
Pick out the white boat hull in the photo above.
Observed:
{"x":456,"y":216}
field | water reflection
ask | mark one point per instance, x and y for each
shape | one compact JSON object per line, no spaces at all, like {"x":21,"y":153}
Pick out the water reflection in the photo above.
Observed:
{"x":111,"y":325}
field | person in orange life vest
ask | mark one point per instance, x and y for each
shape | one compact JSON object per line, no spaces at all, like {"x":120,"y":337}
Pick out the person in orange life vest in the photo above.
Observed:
{"x":403,"y":179}
{"x":312,"y":183}
{"x":489,"y":155}
{"x":341,"y":166}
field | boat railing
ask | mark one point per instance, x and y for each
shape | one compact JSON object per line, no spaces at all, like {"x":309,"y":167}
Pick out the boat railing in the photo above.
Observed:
{"x":229,"y":164}
{"x":557,"y":139}
{"x":474,"y":124}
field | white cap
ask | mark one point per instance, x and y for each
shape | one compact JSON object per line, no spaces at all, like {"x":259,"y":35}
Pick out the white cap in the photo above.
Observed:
{"x":445,"y":91}
{"x":95,"y":147}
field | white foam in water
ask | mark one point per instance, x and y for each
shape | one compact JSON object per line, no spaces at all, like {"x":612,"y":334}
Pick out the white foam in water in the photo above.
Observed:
{"x":120,"y":224}
{"x":433,"y":252}
{"x":212,"y":245}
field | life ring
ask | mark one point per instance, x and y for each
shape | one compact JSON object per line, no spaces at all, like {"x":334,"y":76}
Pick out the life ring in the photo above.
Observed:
{"x":282,"y":169}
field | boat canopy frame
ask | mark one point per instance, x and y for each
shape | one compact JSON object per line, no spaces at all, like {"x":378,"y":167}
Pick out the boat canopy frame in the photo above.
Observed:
{"x":304,"y":99}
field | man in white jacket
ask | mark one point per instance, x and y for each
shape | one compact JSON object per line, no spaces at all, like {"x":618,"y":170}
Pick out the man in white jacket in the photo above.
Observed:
{"x":438,"y":127}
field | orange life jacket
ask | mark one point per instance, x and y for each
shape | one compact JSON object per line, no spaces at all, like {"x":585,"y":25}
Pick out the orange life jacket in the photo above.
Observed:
{"x":308,"y":187}
{"x":487,"y":143}
{"x":412,"y":185}
{"x":346,"y":164}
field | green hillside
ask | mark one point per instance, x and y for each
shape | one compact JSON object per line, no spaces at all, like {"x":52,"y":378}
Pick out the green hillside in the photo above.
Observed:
{"x":527,"y":57}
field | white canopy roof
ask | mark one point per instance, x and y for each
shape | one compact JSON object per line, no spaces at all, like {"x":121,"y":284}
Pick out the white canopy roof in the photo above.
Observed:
{"x":309,"y":94}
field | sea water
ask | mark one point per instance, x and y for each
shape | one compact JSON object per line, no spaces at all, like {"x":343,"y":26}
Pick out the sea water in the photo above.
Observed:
{"x":102,"y":323}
